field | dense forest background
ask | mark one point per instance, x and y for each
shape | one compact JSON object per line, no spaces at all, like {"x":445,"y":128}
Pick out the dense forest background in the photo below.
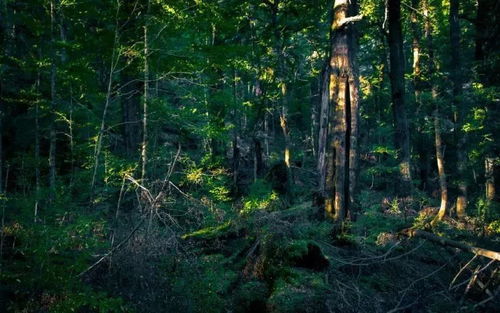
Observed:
{"x":249,"y":156}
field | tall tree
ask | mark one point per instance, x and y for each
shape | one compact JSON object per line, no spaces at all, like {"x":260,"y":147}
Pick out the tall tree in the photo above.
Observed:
{"x":397,"y":61}
{"x":53,"y":101}
{"x":343,"y":130}
{"x":438,"y":140}
{"x":456,"y":79}
{"x":144,"y":144}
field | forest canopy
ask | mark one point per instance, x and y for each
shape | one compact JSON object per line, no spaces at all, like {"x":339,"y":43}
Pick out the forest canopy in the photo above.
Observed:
{"x":253,"y":156}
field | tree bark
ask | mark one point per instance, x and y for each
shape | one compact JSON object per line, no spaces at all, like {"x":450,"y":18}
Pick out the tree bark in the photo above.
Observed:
{"x":402,"y":135}
{"x":341,"y":154}
{"x":324,"y":120}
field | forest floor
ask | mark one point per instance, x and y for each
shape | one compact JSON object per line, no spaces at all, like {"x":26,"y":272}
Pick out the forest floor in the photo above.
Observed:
{"x":284,"y":258}
{"x":289,"y":261}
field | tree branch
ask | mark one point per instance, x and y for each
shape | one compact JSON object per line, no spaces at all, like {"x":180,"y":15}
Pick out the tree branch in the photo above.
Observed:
{"x":451,"y":243}
{"x":348,"y":20}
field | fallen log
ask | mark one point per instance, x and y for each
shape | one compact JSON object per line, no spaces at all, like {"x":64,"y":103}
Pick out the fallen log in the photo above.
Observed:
{"x":451,"y":243}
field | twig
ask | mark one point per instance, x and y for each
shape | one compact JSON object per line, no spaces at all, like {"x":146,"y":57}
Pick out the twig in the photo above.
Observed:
{"x":461,"y":270}
{"x":113,"y":249}
{"x":398,"y":308}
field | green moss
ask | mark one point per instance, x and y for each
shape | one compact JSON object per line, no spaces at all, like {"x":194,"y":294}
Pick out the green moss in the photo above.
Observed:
{"x":302,"y":291}
{"x":209,"y":232}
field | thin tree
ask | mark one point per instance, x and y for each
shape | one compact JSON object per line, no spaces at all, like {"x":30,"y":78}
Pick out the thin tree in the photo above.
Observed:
{"x":456,"y":79}
{"x":432,"y":68}
{"x":115,"y":57}
{"x":52,"y":130}
{"x":144,"y":144}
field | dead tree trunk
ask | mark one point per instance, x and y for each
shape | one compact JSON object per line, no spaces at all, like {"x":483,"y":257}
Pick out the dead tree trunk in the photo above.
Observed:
{"x":341,"y":152}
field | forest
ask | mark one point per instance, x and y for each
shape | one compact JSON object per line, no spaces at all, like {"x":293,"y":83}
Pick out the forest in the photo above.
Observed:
{"x":249,"y":156}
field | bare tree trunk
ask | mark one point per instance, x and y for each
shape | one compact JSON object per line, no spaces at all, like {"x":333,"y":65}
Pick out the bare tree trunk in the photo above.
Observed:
{"x":402,"y":134}
{"x":456,"y":79}
{"x":144,"y":144}
{"x":341,"y":154}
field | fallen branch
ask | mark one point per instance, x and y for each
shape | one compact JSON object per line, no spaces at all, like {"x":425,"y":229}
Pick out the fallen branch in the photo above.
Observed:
{"x":451,"y":243}
{"x":113,"y":249}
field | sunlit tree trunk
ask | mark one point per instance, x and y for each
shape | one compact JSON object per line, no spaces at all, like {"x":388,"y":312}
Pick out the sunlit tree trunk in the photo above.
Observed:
{"x":341,"y":152}
{"x":489,"y":174}
{"x":443,"y":185}
{"x":456,"y":79}
{"x":324,"y":119}
{"x":402,"y":135}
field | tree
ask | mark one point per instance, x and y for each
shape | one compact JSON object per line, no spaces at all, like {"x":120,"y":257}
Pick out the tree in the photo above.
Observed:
{"x":456,"y":78}
{"x":341,"y":155}
{"x":397,"y":63}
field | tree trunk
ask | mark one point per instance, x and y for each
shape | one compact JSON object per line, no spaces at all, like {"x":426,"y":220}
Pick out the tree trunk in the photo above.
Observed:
{"x":443,"y":186}
{"x":52,"y":130}
{"x":286,"y":136}
{"x":324,"y":120}
{"x":37,"y":137}
{"x":456,"y":79}
{"x":489,"y":174}
{"x":422,"y":141}
{"x":341,"y":154}
{"x":481,"y":28}
{"x":402,"y":135}
{"x":440,"y":165}
{"x":130,"y":104}
{"x":144,"y":144}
